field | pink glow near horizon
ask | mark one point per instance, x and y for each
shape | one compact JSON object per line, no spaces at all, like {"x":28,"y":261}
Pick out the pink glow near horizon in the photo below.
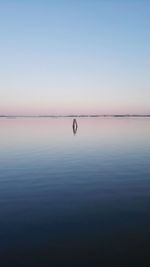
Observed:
{"x":67,"y":110}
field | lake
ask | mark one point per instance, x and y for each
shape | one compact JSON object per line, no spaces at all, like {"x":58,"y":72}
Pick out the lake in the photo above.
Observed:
{"x":75,"y":199}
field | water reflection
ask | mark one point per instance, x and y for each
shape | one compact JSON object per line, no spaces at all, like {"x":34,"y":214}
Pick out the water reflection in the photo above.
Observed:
{"x":89,"y":194}
{"x":74,"y":126}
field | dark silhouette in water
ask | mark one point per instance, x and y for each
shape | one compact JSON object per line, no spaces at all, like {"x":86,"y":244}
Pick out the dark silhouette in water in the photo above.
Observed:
{"x":74,"y":126}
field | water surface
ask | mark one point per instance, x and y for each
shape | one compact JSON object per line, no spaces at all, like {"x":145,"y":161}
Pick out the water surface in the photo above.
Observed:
{"x":71,"y":199}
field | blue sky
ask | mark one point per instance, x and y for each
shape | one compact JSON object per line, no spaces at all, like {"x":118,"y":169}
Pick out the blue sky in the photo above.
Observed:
{"x":75,"y":56}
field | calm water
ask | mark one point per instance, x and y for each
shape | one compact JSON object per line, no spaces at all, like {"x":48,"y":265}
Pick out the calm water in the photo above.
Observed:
{"x":75,"y":199}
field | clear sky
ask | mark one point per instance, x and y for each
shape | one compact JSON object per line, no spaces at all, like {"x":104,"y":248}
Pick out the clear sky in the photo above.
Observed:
{"x":75,"y":56}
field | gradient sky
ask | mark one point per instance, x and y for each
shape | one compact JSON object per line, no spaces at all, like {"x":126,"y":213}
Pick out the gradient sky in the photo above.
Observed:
{"x":75,"y":56}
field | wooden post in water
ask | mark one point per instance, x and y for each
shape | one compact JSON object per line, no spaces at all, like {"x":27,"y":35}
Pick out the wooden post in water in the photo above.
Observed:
{"x":74,"y":126}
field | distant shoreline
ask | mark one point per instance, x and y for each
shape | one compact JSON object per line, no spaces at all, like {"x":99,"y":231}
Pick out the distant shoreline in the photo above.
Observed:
{"x":78,"y":116}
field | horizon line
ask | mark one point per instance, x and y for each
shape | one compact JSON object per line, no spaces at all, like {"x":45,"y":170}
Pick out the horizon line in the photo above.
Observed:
{"x":75,"y":115}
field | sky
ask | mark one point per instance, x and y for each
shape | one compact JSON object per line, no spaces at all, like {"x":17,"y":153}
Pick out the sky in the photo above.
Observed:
{"x":74,"y":57}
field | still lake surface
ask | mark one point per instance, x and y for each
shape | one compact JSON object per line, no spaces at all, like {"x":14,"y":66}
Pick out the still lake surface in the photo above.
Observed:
{"x":75,"y":199}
